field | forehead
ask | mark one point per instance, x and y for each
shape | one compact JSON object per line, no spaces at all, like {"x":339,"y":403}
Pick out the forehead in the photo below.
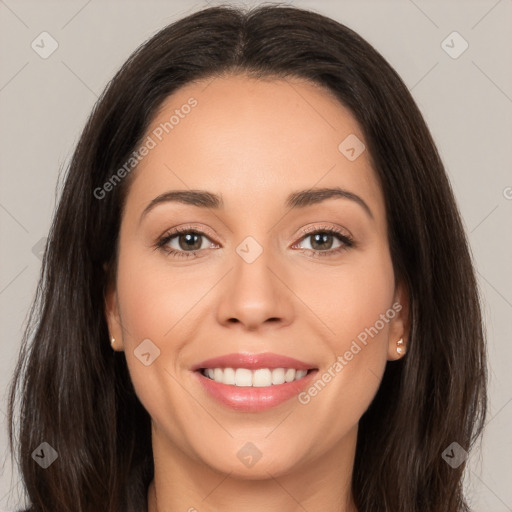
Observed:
{"x":252,"y":141}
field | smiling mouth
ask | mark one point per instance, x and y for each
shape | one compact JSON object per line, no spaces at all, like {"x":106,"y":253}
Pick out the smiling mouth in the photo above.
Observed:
{"x":261,"y":377}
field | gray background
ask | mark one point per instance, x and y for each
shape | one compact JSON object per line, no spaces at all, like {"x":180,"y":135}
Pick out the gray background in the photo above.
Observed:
{"x":466,"y":101}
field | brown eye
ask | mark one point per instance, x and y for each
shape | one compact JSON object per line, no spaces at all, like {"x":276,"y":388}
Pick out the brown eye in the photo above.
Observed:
{"x":322,"y":240}
{"x":183,"y":242}
{"x":189,"y":241}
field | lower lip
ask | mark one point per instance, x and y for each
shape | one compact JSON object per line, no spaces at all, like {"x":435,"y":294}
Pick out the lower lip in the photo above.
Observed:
{"x":253,"y":399}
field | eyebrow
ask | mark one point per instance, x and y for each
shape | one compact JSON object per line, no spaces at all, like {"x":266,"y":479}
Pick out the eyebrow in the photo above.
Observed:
{"x":299,"y":199}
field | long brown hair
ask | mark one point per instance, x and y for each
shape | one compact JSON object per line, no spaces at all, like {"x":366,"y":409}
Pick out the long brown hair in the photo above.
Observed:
{"x":75,"y":393}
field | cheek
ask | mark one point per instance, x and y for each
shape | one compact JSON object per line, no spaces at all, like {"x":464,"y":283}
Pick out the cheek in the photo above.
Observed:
{"x":356,"y":305}
{"x":154,"y":298}
{"x":351,"y":298}
{"x":153,"y":302}
{"x":160,"y":304}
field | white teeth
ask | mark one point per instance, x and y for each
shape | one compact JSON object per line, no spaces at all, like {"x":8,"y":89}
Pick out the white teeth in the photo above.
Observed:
{"x":262,"y":377}
{"x":278,"y":376}
{"x":243,"y":377}
{"x":217,"y":374}
{"x":228,"y":376}
{"x":289,"y":375}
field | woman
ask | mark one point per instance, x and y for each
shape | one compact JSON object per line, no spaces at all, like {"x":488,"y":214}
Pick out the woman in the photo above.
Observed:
{"x":257,"y":292}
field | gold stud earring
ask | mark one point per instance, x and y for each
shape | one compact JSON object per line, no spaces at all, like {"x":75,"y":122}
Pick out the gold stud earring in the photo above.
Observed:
{"x":112,"y":341}
{"x":400,"y":348}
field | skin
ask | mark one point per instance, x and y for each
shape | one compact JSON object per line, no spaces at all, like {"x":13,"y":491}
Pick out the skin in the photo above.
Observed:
{"x":254,"y":142}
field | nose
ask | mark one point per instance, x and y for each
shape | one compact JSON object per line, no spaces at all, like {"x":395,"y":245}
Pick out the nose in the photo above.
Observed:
{"x":254,"y":295}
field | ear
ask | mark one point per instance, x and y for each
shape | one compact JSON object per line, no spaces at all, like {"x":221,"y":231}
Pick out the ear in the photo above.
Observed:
{"x":399,"y":325}
{"x":112,"y":316}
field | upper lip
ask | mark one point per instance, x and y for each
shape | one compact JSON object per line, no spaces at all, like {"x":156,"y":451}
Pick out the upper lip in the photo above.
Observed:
{"x":253,"y":362}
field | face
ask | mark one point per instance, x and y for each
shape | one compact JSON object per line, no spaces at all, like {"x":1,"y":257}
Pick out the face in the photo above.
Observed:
{"x":263,"y":269}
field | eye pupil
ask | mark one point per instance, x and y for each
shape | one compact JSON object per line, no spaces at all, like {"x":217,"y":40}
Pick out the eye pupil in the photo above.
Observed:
{"x":191,"y":239}
{"x":322,"y":238}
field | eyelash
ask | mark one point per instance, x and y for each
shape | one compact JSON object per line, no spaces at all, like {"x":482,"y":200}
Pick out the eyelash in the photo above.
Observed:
{"x":347,"y":241}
